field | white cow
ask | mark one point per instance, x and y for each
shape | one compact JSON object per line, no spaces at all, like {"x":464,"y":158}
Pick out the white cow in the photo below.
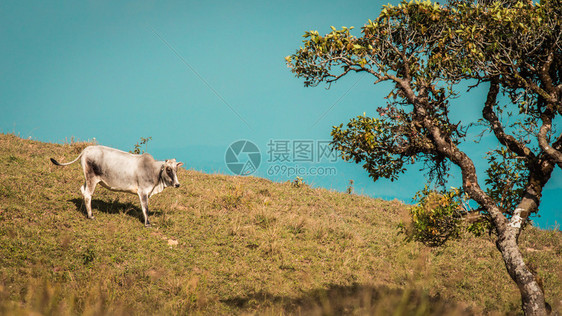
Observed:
{"x":117,"y":170}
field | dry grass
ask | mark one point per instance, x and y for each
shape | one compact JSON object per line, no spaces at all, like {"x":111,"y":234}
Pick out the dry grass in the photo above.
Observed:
{"x":223,"y":244}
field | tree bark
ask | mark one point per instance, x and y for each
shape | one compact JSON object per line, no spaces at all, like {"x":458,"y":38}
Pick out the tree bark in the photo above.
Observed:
{"x":532,"y":296}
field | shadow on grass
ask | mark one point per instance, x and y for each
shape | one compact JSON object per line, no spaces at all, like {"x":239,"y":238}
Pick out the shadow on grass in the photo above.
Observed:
{"x":113,"y":207}
{"x":351,"y":300}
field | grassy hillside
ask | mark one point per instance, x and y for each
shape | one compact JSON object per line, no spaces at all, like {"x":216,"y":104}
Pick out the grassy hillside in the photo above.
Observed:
{"x":222,"y":244}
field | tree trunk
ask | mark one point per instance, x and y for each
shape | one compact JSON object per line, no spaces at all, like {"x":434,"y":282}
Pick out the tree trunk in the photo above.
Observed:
{"x":532,"y":295}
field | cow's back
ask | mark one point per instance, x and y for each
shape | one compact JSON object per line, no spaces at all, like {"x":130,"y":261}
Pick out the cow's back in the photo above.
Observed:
{"x":117,"y":170}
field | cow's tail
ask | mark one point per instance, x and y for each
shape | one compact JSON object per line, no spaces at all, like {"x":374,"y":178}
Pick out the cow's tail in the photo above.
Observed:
{"x":66,"y":164}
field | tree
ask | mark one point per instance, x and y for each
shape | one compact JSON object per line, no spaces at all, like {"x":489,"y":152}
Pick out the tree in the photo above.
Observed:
{"x":427,"y":50}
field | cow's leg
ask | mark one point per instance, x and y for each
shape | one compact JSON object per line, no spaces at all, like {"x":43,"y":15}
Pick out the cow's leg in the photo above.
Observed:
{"x":144,"y":205}
{"x":87,"y":191}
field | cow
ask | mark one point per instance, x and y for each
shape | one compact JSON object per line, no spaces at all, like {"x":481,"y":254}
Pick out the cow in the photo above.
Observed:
{"x":120,"y":171}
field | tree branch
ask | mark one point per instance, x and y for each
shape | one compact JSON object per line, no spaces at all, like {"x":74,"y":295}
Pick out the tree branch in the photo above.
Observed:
{"x":446,"y":147}
{"x":538,"y":177}
{"x":490,"y":116}
{"x":554,"y":153}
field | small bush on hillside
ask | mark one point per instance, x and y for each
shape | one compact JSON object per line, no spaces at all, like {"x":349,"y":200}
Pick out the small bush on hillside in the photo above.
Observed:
{"x":439,"y":216}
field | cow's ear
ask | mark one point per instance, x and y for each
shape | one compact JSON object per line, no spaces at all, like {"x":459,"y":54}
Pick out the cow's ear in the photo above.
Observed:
{"x":179,"y":164}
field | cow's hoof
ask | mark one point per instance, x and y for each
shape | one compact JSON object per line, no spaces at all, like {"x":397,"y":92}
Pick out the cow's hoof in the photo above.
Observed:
{"x":147,"y":225}
{"x":91,"y":217}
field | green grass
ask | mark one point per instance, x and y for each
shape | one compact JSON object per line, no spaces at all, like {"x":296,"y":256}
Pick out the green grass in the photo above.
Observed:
{"x":234,"y":245}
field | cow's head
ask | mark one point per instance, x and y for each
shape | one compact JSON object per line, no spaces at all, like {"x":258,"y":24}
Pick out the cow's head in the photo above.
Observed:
{"x":169,"y":172}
